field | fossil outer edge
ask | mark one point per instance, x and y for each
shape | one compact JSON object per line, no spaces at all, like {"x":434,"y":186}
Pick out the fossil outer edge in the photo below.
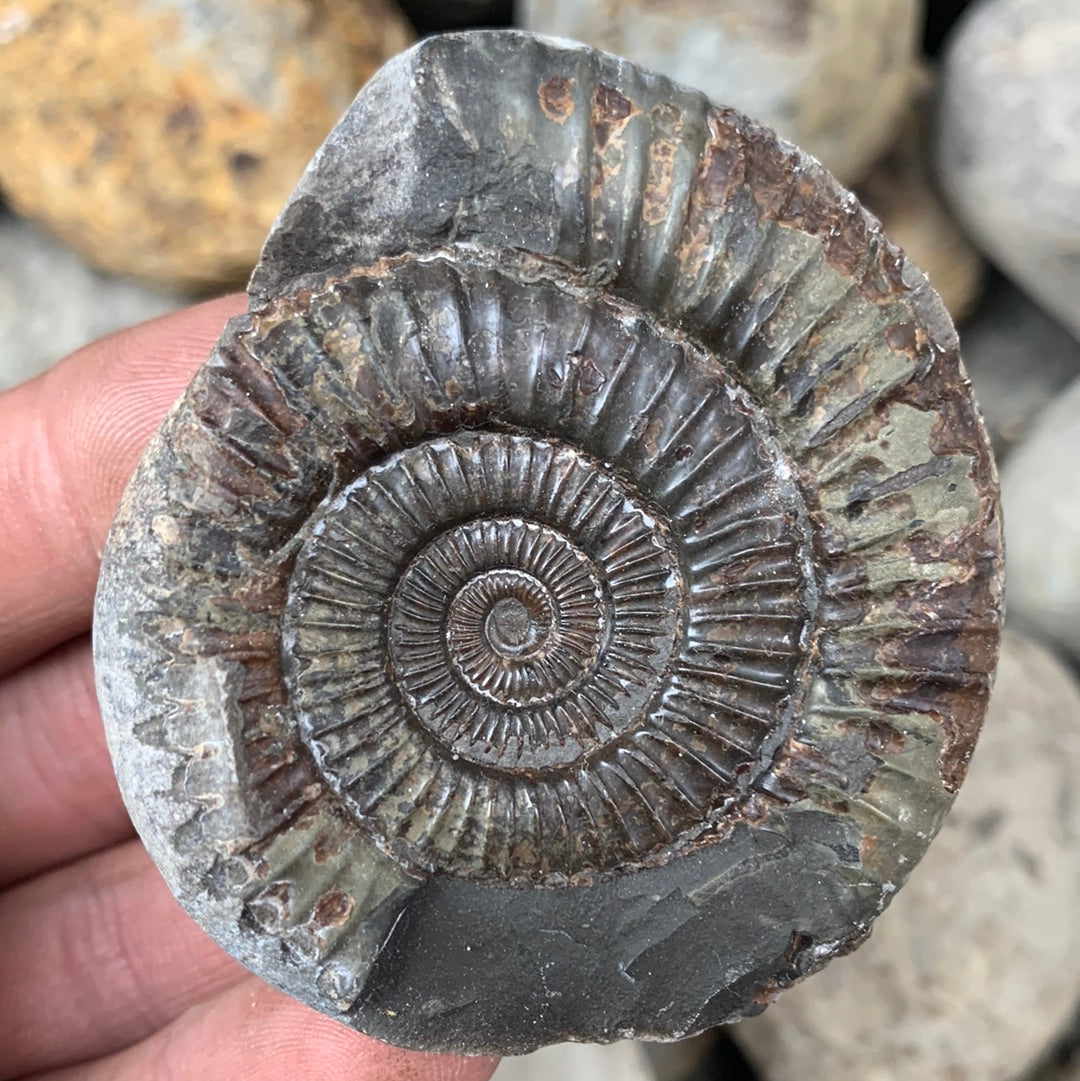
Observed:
{"x":422,"y":889}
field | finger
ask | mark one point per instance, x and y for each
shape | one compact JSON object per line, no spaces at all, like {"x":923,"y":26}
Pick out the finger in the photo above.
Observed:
{"x":69,"y":440}
{"x":254,"y":1033}
{"x":97,"y":956}
{"x":58,"y":794}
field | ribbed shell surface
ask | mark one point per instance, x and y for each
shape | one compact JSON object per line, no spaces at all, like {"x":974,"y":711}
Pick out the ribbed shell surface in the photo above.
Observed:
{"x":565,"y":606}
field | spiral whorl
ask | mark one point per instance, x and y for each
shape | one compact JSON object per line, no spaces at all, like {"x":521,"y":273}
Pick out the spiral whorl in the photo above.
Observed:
{"x":502,"y":643}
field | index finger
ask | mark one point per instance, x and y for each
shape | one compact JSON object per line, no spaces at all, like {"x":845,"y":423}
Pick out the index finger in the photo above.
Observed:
{"x":69,"y":441}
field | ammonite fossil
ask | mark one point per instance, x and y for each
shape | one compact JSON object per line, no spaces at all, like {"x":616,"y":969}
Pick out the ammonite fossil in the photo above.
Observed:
{"x":565,"y":605}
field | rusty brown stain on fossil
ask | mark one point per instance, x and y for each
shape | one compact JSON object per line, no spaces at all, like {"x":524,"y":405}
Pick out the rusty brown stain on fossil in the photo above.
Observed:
{"x":556,"y":98}
{"x":656,"y":198}
{"x":286,"y":790}
{"x":852,"y":384}
{"x":953,"y":624}
{"x":770,"y":989}
{"x":909,"y":338}
{"x":945,"y":686}
{"x":333,"y":909}
{"x":274,"y":759}
{"x":788,"y":189}
{"x":330,"y":844}
{"x":723,"y":167}
{"x":610,"y":112}
{"x":882,"y":739}
{"x":799,"y":943}
{"x":233,"y":644}
{"x":305,"y":805}
{"x":796,"y":768}
{"x":956,"y":704}
{"x":966,"y":609}
{"x":956,"y":647}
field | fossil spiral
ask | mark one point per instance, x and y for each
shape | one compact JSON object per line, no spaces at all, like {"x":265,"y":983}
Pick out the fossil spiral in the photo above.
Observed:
{"x":565,"y":605}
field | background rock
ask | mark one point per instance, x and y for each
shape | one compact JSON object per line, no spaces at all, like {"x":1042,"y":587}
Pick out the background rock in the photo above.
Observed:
{"x":1040,"y":491}
{"x":51,"y":302}
{"x":1008,"y":144}
{"x":975,"y":967}
{"x":900,"y":191}
{"x":447,"y":14}
{"x":622,"y":1061}
{"x":684,"y":1060}
{"x":178,"y":127}
{"x":832,"y":76}
{"x":1019,"y":360}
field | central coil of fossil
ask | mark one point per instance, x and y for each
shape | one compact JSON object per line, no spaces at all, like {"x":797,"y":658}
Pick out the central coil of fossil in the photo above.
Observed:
{"x":518,"y":643}
{"x":567,"y":634}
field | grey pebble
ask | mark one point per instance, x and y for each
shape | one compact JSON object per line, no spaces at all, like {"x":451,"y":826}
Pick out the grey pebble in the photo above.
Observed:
{"x":1008,"y":146}
{"x":1019,"y":360}
{"x":52,"y":303}
{"x":1040,"y":491}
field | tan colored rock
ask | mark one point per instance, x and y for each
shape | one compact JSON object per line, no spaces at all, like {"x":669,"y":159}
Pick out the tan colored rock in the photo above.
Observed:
{"x":159,"y":138}
{"x":975,"y":968}
{"x":1008,"y":146}
{"x":833,"y":76}
{"x":900,"y":191}
{"x":1040,"y":494}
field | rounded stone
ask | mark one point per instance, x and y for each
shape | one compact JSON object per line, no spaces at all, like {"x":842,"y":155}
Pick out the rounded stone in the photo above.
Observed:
{"x":52,"y":302}
{"x":1041,"y":496}
{"x":1008,"y":143}
{"x":178,"y":128}
{"x":1019,"y":359}
{"x":973,"y":970}
{"x":832,"y":76}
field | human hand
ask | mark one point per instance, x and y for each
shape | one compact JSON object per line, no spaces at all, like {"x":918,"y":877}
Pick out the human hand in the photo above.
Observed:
{"x":102,"y":975}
